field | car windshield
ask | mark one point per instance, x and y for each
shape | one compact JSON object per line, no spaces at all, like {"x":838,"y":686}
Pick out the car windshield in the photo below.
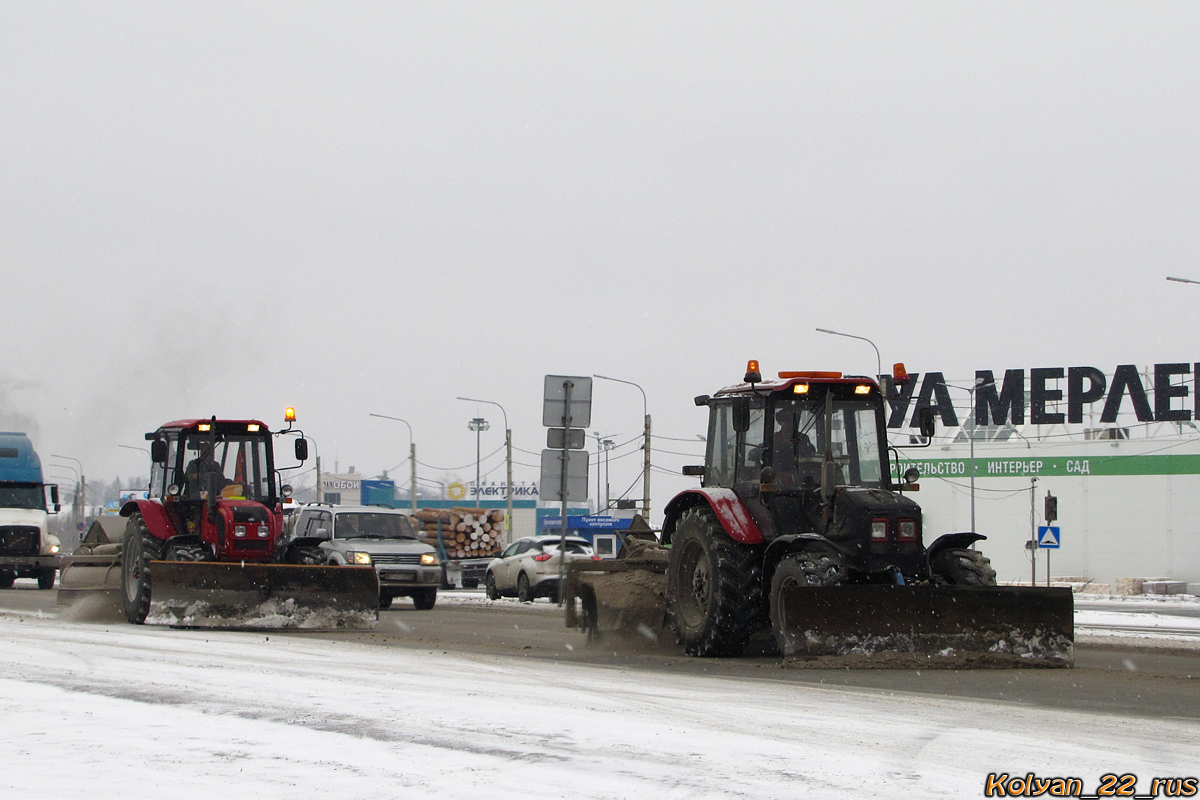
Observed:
{"x":799,"y":438}
{"x":21,"y":497}
{"x":373,"y":526}
{"x":238,"y":465}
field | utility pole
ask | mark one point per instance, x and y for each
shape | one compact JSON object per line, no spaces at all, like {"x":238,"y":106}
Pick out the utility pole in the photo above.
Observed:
{"x":645,"y":446}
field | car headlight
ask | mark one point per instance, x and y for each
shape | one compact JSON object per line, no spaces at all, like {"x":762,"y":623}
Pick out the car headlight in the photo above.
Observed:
{"x":359,"y":557}
{"x":428,"y":559}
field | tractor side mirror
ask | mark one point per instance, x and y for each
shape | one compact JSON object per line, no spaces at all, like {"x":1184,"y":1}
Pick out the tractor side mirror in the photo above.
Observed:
{"x":925,"y":421}
{"x":741,"y":414}
{"x":302,"y":449}
{"x":158,"y":451}
{"x":701,"y":400}
{"x":696,"y":471}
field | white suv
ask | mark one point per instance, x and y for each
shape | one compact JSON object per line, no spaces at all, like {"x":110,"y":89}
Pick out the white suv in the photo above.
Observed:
{"x":529,"y":567}
{"x":374,"y":535}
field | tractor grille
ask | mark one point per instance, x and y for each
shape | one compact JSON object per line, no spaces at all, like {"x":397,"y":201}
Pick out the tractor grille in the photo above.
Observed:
{"x":18,"y":540}
{"x":396,"y":558}
{"x":251,"y":544}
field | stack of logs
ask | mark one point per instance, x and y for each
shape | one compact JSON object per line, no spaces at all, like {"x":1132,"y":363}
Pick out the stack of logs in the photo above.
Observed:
{"x":465,"y":532}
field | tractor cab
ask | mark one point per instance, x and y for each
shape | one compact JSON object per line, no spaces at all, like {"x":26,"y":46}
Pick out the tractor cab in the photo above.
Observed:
{"x":778,"y":436}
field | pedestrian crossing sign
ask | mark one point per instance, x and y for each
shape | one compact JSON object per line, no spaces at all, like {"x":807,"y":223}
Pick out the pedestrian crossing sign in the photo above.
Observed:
{"x":1048,"y":536}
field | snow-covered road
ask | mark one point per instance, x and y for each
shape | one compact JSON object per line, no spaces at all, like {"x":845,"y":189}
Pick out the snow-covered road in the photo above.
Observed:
{"x":102,"y":711}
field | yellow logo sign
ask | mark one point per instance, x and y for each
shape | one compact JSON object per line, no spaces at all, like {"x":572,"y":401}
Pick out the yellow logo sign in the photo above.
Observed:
{"x":456,"y":491}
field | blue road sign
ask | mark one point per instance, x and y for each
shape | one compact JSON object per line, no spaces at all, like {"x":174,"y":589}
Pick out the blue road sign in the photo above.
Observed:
{"x":1049,"y":537}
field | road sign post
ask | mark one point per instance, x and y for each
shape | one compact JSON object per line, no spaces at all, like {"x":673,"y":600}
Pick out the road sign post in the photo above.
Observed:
{"x":1049,"y":538}
{"x":566,"y":404}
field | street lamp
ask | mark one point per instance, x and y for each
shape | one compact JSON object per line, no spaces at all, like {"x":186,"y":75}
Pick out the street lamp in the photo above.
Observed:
{"x":1182,"y":280}
{"x":878,"y":360}
{"x":508,"y":488}
{"x":645,"y":447}
{"x":978,"y":384}
{"x":81,"y":489}
{"x":600,"y":442}
{"x":607,"y":444}
{"x":412,"y":455}
{"x":479,"y":425}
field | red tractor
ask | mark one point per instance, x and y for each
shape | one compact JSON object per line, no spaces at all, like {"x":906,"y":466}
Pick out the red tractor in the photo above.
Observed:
{"x":203,"y":549}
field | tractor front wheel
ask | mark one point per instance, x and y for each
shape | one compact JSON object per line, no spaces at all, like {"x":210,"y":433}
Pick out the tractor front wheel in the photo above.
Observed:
{"x":962,"y":567}
{"x":800,"y":569}
{"x":714,"y":586}
{"x":139,"y":550}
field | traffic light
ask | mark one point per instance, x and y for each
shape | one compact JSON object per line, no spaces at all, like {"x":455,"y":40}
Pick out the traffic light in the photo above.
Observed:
{"x":1051,"y":508}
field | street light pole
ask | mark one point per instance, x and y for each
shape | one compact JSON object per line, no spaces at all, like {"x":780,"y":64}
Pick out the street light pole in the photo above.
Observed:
{"x":82,"y":512}
{"x":412,"y":454}
{"x":479,"y":425}
{"x":878,"y":360}
{"x":508,"y":489}
{"x":645,"y":446}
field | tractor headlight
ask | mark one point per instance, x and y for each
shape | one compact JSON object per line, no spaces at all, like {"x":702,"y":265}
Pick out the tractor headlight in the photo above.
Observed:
{"x":53,"y":548}
{"x":173,"y":490}
{"x":428,"y":559}
{"x":359,"y":557}
{"x":879,"y":530}
{"x":908,"y":530}
{"x":239,"y":531}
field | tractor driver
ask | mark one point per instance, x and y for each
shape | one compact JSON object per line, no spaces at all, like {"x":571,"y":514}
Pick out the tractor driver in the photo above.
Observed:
{"x":794,"y":457}
{"x":196,"y":476}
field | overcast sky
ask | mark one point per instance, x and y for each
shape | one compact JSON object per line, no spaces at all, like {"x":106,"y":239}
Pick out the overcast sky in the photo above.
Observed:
{"x":227,"y":208}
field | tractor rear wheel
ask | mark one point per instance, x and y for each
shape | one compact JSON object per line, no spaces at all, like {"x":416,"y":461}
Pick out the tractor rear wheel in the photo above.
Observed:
{"x":46,"y":578}
{"x":800,"y":569}
{"x":714,"y":586}
{"x":140,"y":548}
{"x":424,"y":599}
{"x":962,"y":567}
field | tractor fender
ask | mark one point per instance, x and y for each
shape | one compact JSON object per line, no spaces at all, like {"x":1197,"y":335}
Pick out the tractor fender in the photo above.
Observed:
{"x":965,"y":539}
{"x":731,"y":512}
{"x":783,"y":546}
{"x":155,"y":515}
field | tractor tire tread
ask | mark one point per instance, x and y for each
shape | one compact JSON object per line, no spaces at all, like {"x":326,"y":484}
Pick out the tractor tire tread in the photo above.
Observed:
{"x":737,"y":571}
{"x":962,"y":567}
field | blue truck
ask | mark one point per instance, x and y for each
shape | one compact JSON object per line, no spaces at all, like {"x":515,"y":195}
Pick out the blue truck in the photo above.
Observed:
{"x":27,"y":548}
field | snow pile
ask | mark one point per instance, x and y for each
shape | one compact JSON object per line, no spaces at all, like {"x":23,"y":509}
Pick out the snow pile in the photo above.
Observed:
{"x":271,"y":614}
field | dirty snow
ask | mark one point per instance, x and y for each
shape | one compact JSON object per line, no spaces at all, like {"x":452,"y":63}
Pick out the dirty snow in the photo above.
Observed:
{"x":107,"y":711}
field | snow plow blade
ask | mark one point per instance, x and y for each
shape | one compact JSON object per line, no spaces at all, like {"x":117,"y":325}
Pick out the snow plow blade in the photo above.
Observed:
{"x":237,"y":595}
{"x":928,"y":626}
{"x":90,"y":574}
